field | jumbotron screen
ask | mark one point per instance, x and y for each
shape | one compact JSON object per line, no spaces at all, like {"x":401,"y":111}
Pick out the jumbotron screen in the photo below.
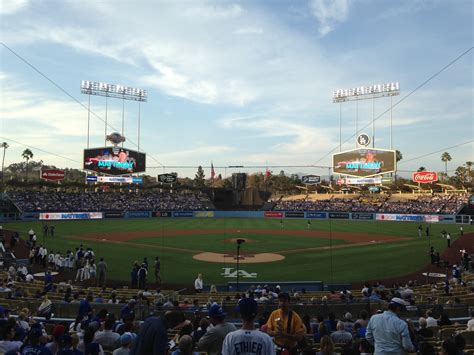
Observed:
{"x":114,"y":161}
{"x":364,"y":162}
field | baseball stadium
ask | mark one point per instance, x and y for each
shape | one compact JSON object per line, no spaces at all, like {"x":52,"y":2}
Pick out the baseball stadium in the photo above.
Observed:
{"x":324,"y":239}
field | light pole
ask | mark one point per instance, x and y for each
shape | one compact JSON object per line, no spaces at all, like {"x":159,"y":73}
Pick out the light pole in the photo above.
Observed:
{"x":4,"y":146}
{"x":239,"y":243}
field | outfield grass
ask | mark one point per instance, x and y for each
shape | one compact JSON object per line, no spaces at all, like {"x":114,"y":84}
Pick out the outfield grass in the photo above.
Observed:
{"x":352,"y":264}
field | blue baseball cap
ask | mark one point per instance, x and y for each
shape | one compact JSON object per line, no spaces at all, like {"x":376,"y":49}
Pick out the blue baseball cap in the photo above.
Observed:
{"x":248,"y":307}
{"x":216,"y":311}
{"x":125,"y":338}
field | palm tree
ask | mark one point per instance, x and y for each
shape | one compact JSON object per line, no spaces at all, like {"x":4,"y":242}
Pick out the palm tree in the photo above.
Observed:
{"x":421,"y":168}
{"x":469,"y":166}
{"x":27,"y":154}
{"x":445,"y":157}
{"x":398,"y":155}
{"x":5,"y":147}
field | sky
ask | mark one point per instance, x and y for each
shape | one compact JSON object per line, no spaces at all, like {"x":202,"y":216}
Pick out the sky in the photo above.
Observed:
{"x":245,"y":83}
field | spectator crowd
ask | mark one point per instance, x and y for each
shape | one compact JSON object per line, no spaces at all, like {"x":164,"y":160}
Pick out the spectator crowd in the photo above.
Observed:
{"x":435,"y":204}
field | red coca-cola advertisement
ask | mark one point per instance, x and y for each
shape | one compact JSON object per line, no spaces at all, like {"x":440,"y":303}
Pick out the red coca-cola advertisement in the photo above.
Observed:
{"x":425,"y":177}
{"x":52,"y":174}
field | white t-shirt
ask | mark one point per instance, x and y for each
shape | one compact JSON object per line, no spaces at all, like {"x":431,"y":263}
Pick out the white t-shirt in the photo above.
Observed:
{"x":470,"y":325}
{"x":246,"y":342}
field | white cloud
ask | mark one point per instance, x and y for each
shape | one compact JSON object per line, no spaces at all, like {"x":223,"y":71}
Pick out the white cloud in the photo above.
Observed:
{"x":214,"y":11}
{"x":248,"y":31}
{"x":9,"y":7}
{"x":329,"y":13}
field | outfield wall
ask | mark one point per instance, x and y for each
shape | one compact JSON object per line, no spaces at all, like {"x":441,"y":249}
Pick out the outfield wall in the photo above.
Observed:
{"x":310,"y":215}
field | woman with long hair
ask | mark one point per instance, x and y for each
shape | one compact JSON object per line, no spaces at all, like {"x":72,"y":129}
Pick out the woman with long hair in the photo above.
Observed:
{"x":327,"y":346}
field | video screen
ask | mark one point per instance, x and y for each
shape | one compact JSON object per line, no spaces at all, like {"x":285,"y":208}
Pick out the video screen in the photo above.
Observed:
{"x":114,"y":160}
{"x":364,"y":162}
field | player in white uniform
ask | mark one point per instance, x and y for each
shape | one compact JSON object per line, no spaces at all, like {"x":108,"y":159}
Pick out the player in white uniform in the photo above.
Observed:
{"x":248,"y":340}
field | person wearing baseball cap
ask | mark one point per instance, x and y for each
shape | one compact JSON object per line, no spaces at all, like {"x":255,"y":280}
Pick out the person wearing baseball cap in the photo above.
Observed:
{"x":285,"y":326}
{"x":212,"y":340}
{"x":387,"y":332}
{"x":248,"y":340}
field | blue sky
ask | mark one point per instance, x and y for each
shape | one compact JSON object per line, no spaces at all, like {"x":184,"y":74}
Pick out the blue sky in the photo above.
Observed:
{"x":237,"y":83}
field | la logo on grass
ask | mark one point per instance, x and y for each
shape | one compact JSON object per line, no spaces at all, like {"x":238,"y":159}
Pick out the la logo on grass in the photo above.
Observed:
{"x":229,"y":273}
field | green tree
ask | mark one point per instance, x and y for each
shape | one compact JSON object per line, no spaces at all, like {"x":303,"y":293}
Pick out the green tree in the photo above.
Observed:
{"x":469,"y":171}
{"x":445,"y":157}
{"x":460,"y":174}
{"x":199,"y":178}
{"x":421,"y":168}
{"x":398,"y":155}
{"x":5,"y":147}
{"x":27,"y":154}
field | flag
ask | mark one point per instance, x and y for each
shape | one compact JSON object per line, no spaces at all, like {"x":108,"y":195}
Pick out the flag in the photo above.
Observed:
{"x":213,"y":173}
{"x":268,"y":173}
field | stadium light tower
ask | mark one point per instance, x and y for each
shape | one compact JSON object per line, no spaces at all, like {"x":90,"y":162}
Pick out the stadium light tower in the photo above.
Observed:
{"x":364,"y":93}
{"x":117,"y":92}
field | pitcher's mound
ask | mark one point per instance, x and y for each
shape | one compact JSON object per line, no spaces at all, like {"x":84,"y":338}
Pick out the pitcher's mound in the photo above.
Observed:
{"x":243,"y":259}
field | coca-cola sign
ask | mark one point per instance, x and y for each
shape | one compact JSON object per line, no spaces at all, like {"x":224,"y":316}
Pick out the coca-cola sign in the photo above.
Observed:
{"x":52,"y":174}
{"x":425,"y":177}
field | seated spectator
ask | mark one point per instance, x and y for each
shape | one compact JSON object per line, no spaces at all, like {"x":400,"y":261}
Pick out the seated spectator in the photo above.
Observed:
{"x":470,"y":323}
{"x":58,"y":332}
{"x":185,"y":346}
{"x":8,"y":343}
{"x":125,"y":345}
{"x":66,"y":346}
{"x":430,"y":320}
{"x":424,"y":331}
{"x":341,"y":336}
{"x":444,"y":320}
{"x":322,"y":331}
{"x":327,"y":346}
{"x":203,"y":325}
{"x":34,"y":345}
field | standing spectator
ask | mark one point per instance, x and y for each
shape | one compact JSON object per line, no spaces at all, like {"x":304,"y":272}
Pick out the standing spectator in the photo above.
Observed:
{"x":157,"y":270}
{"x":285,"y":325}
{"x":420,"y":231}
{"x":461,"y":231}
{"x":388,"y":332}
{"x":247,"y":337}
{"x":212,"y":340}
{"x":45,"y":230}
{"x":108,"y":338}
{"x":448,"y":239}
{"x":198,"y":284}
{"x":102,"y":269}
{"x":134,"y":275}
{"x":33,"y":240}
{"x":142,"y":273}
{"x":8,"y":343}
{"x":31,"y":233}
{"x":51,"y":230}
{"x":153,"y":336}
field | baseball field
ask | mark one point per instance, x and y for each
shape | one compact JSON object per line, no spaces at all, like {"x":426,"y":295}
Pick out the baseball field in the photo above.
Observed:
{"x":325,"y":250}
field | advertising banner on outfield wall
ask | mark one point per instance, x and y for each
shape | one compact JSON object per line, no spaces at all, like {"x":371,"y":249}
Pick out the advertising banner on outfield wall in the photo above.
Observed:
{"x":138,"y":214}
{"x":338,"y":215}
{"x":407,"y":217}
{"x":294,"y":214}
{"x":318,"y":215}
{"x":163,"y":214}
{"x":273,"y":214}
{"x":204,"y":214}
{"x":113,"y":214}
{"x":362,"y":215}
{"x":183,"y":214}
{"x":70,"y":215}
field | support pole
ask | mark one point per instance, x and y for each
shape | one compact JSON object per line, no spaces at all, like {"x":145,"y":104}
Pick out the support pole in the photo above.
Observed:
{"x":340,"y":126}
{"x":138,"y":126}
{"x":88,"y":120}
{"x":357,"y":121}
{"x":373,"y":122}
{"x":391,"y":122}
{"x":105,"y":138}
{"x":123,"y":118}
